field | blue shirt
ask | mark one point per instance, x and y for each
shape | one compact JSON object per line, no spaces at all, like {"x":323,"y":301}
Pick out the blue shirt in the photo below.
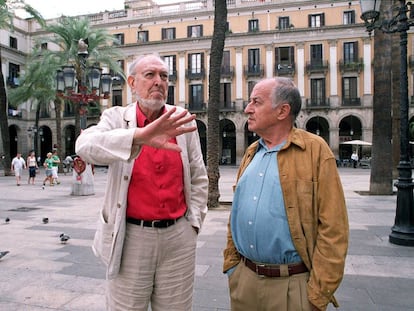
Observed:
{"x":258,"y":219}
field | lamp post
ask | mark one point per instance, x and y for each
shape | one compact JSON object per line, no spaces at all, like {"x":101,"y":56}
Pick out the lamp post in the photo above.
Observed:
{"x":92,"y":85}
{"x":402,"y":233}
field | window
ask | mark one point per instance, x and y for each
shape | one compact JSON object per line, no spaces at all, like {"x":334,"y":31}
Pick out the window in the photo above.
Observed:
{"x":196,"y":97}
{"x":195,"y":62}
{"x":225,"y":95}
{"x":170,"y":60}
{"x":226,"y":70}
{"x":119,"y":39}
{"x":316,"y":54}
{"x":350,"y":52}
{"x":253,"y":25}
{"x":171,"y":92}
{"x":253,"y":60}
{"x":168,"y":33}
{"x":316,"y":20}
{"x":285,"y":55}
{"x":318,"y":92}
{"x":284,"y":22}
{"x":195,"y":31}
{"x":116,"y":78}
{"x":14,"y":71}
{"x":116,"y":98}
{"x":13,"y":42}
{"x":349,"y":17}
{"x":285,"y":60}
{"x":350,"y":91}
{"x":142,"y":36}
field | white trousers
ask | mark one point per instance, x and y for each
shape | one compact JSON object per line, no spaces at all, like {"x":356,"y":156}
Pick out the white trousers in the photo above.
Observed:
{"x":157,"y":268}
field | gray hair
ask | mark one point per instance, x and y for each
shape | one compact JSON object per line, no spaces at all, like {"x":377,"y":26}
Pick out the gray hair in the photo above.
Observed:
{"x":286,"y":91}
{"x":133,"y":66}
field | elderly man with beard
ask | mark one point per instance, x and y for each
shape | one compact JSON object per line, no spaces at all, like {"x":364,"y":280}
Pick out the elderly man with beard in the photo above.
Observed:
{"x":156,"y":194}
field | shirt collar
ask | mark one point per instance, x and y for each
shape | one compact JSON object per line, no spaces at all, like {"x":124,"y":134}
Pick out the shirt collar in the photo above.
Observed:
{"x":142,"y":120}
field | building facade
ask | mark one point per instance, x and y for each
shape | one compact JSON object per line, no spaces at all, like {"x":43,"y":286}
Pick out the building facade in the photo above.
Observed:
{"x":322,"y":45}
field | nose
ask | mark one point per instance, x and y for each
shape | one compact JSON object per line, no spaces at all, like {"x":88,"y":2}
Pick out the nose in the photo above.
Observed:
{"x":248,"y":108}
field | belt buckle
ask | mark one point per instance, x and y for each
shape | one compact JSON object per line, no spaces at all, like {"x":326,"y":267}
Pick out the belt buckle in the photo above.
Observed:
{"x":154,"y":223}
{"x":257,"y":270}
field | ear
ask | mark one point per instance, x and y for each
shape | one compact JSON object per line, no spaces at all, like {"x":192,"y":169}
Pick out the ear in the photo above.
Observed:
{"x":284,"y":111}
{"x":131,"y":81}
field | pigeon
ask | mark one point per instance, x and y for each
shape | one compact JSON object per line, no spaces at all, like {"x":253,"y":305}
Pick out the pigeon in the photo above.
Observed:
{"x":7,"y":220}
{"x":3,"y":253}
{"x":64,"y":238}
{"x":45,"y":220}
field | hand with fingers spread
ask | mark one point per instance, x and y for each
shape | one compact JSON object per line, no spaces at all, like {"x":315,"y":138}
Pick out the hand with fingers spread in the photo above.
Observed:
{"x":158,"y":133}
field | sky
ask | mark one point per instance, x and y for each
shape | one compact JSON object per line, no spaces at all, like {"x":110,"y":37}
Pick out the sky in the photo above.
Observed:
{"x":57,"y":8}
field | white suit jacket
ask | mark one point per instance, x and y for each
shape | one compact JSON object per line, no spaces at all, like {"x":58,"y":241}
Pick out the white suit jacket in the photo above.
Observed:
{"x":110,"y":143}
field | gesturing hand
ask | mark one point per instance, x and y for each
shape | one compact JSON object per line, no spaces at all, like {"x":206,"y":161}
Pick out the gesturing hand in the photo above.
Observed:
{"x":160,"y":131}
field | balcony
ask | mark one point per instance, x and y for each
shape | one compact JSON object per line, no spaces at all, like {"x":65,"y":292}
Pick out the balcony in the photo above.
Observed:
{"x":227,"y":72}
{"x":317,"y":103}
{"x":285,"y":69}
{"x":351,"y":102}
{"x":191,"y":74}
{"x":351,"y":66}
{"x":228,"y":107}
{"x":196,"y":107}
{"x":317,"y":66}
{"x":254,"y":70}
{"x":173,"y":76}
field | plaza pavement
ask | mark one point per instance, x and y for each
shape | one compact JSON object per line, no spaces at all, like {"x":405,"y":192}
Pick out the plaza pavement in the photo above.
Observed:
{"x":42,"y":274}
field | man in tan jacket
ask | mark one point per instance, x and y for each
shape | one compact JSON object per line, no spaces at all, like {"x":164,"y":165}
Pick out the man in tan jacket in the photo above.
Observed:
{"x":288,"y":231}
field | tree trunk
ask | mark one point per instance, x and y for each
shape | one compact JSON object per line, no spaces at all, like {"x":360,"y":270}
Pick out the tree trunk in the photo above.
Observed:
{"x":381,"y":175}
{"x":4,"y":126}
{"x":213,"y":112}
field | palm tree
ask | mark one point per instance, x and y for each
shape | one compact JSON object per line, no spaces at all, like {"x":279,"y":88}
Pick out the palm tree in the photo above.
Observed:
{"x":38,"y":85}
{"x":66,"y":35}
{"x":6,"y":21}
{"x":217,"y":46}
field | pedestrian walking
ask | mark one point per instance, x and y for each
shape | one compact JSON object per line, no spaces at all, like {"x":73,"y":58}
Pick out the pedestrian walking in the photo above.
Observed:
{"x":156,"y":196}
{"x":288,"y":229}
{"x":48,"y":165}
{"x":354,"y":159}
{"x":31,"y":163}
{"x":17,"y":166}
{"x":55,"y":167}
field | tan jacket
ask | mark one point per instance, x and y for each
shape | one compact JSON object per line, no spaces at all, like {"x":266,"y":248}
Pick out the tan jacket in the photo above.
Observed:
{"x":109,"y":143}
{"x":316,"y":212}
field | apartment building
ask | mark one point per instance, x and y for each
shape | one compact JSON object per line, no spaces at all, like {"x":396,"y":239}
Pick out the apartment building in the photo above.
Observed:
{"x":322,"y":45}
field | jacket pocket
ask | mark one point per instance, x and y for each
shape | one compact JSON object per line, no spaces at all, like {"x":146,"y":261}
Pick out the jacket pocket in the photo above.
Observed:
{"x":102,"y":243}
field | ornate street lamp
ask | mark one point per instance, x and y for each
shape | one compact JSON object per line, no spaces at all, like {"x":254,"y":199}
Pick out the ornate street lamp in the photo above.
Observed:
{"x":403,"y":229}
{"x":94,"y":85}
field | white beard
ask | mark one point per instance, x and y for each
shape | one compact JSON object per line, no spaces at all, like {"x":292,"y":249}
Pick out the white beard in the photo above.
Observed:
{"x":152,"y":104}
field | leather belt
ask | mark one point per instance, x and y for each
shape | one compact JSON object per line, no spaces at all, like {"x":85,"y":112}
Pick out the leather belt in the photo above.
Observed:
{"x":163,"y":223}
{"x":274,"y":270}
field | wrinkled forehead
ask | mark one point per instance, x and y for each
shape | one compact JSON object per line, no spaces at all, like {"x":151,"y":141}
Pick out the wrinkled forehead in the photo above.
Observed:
{"x":151,"y":63}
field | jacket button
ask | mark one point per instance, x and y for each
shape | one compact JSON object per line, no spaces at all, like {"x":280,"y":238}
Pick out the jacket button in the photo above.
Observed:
{"x":119,"y":205}
{"x":126,"y":177}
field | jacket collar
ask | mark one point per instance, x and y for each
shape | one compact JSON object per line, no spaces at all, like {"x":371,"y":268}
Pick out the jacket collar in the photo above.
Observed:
{"x":295,"y":137}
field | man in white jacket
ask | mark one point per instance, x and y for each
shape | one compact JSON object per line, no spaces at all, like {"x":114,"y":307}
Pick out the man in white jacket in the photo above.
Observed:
{"x":156,"y":194}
